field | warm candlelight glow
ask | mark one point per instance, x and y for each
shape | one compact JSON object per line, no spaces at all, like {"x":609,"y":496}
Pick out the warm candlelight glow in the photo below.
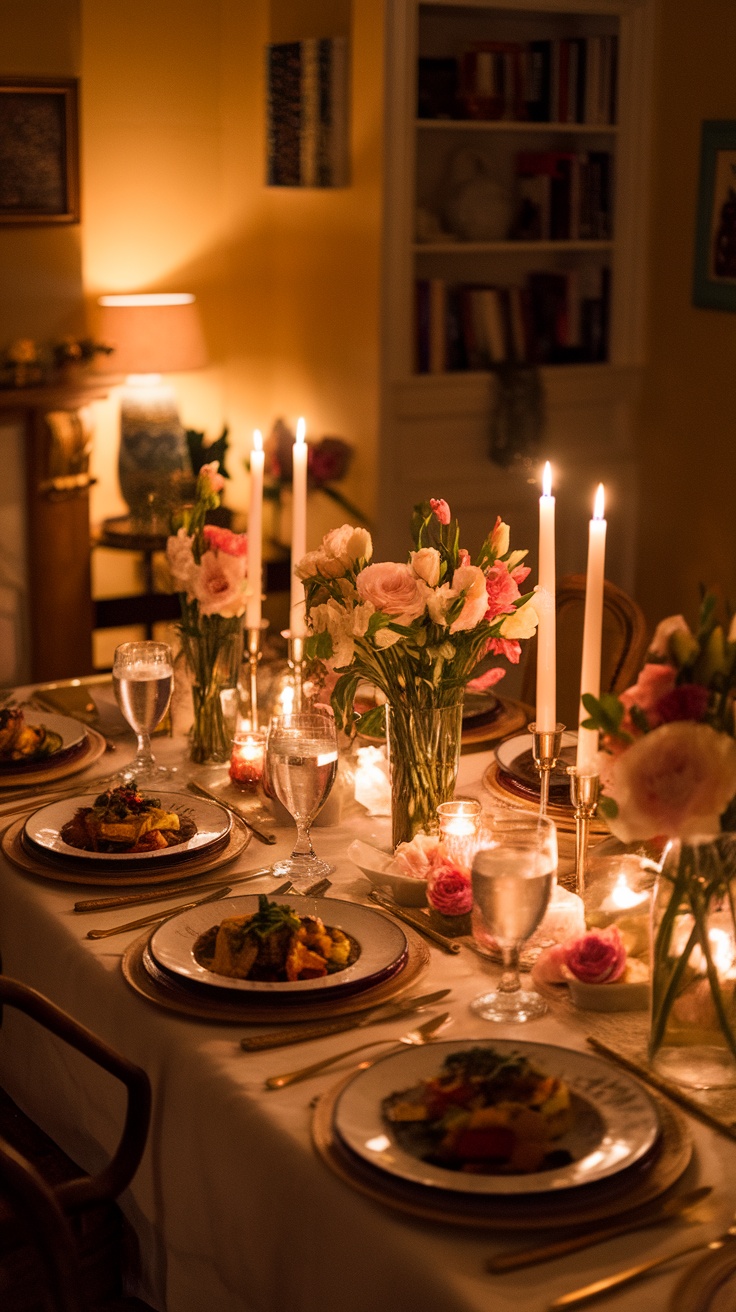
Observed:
{"x":622,"y":896}
{"x":247,"y":759}
{"x":459,"y":826}
{"x":257,"y":439}
{"x":544,"y":604}
{"x":301,"y":431}
{"x":599,"y":505}
{"x":590,"y":673}
{"x":300,"y":465}
{"x":547,"y":480}
{"x":286,"y":700}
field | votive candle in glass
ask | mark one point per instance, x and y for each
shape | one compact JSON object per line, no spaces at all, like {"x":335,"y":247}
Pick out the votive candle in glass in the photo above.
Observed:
{"x":247,"y":758}
{"x":459,"y":829}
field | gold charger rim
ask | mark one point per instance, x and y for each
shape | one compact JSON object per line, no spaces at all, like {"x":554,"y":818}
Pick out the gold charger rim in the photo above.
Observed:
{"x":94,"y":750}
{"x":647,"y":1183}
{"x":181,"y":1001}
{"x":173,"y":872}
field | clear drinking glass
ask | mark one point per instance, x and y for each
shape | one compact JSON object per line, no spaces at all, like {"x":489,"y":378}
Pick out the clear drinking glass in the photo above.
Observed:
{"x":513,"y":878}
{"x":143,"y":679}
{"x":302,"y":764}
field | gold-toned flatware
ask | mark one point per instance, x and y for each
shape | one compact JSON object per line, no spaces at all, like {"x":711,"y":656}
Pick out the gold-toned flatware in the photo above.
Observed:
{"x":415,"y":1038}
{"x":633,"y":1273}
{"x":236,"y":810}
{"x":669,"y":1211}
{"x":160,"y":894}
{"x":283,"y":1038}
{"x":416,"y":921}
{"x":316,"y":889}
{"x":663,"y":1086}
{"x":157,"y":915}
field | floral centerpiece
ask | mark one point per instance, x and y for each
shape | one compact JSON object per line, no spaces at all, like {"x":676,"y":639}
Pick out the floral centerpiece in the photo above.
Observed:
{"x":668,"y":771}
{"x":418,"y":632}
{"x":208,"y":565}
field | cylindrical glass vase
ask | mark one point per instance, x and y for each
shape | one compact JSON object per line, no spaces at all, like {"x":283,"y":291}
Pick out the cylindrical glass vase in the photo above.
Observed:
{"x":214,"y":657}
{"x":693,"y":961}
{"x":424,"y":753}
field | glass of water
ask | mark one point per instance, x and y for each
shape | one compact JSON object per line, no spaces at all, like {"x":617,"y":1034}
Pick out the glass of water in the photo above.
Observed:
{"x":513,"y":878}
{"x":143,"y":678}
{"x":301,"y":761}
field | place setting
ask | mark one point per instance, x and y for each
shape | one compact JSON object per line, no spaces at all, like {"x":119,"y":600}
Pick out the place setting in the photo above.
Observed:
{"x":41,"y":747}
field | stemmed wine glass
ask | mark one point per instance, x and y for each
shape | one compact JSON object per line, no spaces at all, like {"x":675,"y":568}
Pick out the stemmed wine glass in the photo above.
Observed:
{"x":513,"y":878}
{"x":301,"y":761}
{"x":143,"y":678}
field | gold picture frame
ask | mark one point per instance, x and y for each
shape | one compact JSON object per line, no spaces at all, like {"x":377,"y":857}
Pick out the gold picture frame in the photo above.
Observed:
{"x":39,"y":151}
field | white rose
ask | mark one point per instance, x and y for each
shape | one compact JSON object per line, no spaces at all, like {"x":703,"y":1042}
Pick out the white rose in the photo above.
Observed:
{"x":426,"y":565}
{"x":665,"y":630}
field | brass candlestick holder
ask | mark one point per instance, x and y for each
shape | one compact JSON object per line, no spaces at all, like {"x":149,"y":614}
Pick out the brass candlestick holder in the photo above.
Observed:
{"x":255,"y":655}
{"x":296,"y":662}
{"x":546,"y":746}
{"x":584,"y":793}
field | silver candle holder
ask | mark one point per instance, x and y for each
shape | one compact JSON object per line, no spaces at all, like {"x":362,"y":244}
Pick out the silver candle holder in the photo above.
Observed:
{"x":585,"y":790}
{"x":255,"y":655}
{"x":546,"y":747}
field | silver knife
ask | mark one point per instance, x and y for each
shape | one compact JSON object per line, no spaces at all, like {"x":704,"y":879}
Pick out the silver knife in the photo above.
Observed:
{"x":281,"y":1038}
{"x":161,"y":894}
{"x":157,"y":916}
{"x":229,"y":806}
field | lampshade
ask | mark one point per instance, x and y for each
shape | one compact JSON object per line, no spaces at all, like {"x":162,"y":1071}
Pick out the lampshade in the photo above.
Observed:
{"x":152,"y":334}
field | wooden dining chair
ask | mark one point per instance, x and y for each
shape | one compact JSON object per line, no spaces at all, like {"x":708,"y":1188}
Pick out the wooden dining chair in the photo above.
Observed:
{"x":60,"y":1232}
{"x":624,"y":645}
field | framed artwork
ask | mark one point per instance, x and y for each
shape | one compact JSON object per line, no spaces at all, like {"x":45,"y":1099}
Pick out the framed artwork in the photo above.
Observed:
{"x":714,"y":283}
{"x":307,"y":113}
{"x":39,"y":151}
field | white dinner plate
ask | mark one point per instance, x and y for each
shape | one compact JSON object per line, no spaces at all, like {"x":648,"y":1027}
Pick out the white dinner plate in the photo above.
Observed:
{"x":383,"y":946}
{"x":514,"y":755}
{"x":615,"y":1124}
{"x":71,"y":732}
{"x":43,"y":829}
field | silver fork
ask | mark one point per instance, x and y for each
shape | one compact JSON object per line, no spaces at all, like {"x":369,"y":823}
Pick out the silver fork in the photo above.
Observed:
{"x":633,"y":1273}
{"x":415,"y":1038}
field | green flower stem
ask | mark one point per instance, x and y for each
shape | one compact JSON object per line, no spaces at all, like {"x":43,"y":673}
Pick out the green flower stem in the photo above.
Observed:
{"x":424,"y":752}
{"x":661,"y":1014}
{"x":207,"y":645}
{"x":715,"y":986}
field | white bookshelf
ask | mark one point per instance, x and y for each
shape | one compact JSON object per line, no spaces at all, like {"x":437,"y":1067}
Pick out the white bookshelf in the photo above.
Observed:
{"x":434,"y":427}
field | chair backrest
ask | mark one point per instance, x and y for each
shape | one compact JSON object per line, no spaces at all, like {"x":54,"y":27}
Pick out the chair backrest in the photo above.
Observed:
{"x":624,"y":645}
{"x":37,"y":1209}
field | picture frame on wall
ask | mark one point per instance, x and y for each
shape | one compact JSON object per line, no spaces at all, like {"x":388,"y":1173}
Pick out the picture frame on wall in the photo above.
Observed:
{"x":714,"y":282}
{"x":39,"y":151}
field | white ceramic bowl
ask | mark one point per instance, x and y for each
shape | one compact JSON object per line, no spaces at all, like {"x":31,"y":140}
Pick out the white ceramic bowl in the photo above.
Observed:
{"x":381,"y":869}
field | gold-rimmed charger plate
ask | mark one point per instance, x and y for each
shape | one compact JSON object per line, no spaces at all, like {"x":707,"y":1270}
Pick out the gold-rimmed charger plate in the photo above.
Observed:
{"x":631,"y":1190}
{"x":563,"y":816}
{"x":72,"y":763}
{"x":143,"y":975}
{"x":34,"y":863}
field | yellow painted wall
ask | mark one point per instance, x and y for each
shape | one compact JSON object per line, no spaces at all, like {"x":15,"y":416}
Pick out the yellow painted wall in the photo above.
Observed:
{"x":40,"y":267}
{"x":687,"y":437}
{"x":287,"y":280}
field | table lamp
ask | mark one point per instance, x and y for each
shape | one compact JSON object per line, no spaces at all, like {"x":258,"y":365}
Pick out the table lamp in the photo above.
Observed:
{"x":152,"y":334}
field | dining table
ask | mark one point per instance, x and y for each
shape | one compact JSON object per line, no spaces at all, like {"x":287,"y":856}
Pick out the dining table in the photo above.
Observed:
{"x":232,"y":1208}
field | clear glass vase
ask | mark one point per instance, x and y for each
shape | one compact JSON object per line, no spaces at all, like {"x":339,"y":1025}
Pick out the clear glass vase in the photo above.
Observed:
{"x":693,"y":961}
{"x":214,"y":656}
{"x":424,"y":753}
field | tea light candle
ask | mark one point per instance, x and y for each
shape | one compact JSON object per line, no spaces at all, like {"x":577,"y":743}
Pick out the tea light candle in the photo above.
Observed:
{"x":459,"y":826}
{"x":247,"y":759}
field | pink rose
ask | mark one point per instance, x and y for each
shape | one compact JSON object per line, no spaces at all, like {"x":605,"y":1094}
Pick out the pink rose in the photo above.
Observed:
{"x":653,"y":682}
{"x":673,"y":782}
{"x":449,"y":890}
{"x":507,"y":647}
{"x":218,"y":584}
{"x":211,"y":480}
{"x":598,"y":957}
{"x":441,"y":510}
{"x":688,"y":702}
{"x":549,"y":968}
{"x":501,"y":589}
{"x":393,"y":589}
{"x":472,"y":581}
{"x":221,"y":539}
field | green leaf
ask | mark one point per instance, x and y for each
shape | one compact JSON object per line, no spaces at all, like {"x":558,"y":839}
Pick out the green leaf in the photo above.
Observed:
{"x":372,"y":723}
{"x":608,"y":807}
{"x":639,"y":719}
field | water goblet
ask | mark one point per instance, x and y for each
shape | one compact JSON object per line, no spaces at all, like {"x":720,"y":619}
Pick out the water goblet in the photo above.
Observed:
{"x":142,"y":679}
{"x":513,"y":878}
{"x":301,"y":759}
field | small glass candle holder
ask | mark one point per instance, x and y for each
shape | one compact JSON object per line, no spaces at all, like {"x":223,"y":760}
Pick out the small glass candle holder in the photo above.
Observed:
{"x":248,"y":758}
{"x":459,"y":829}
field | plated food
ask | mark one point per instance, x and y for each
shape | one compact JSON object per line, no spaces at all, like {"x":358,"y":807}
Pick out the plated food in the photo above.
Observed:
{"x":275,"y":943}
{"x":21,"y":741}
{"x":116,"y":829}
{"x":485,"y":1111}
{"x":123,"y":820}
{"x":598,"y":1121}
{"x":364,"y":947}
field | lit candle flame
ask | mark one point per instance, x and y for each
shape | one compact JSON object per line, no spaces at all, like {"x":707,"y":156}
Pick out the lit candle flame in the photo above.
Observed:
{"x":599,"y":505}
{"x":257,"y":439}
{"x":301,"y":431}
{"x":547,"y":480}
{"x":287,"y":700}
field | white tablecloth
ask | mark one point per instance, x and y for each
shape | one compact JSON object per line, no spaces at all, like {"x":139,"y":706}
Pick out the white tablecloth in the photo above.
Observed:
{"x":233,"y":1210}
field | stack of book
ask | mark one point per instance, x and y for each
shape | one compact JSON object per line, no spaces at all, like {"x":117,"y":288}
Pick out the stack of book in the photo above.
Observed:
{"x":564,"y":196}
{"x":554,"y":318}
{"x":565,"y":80}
